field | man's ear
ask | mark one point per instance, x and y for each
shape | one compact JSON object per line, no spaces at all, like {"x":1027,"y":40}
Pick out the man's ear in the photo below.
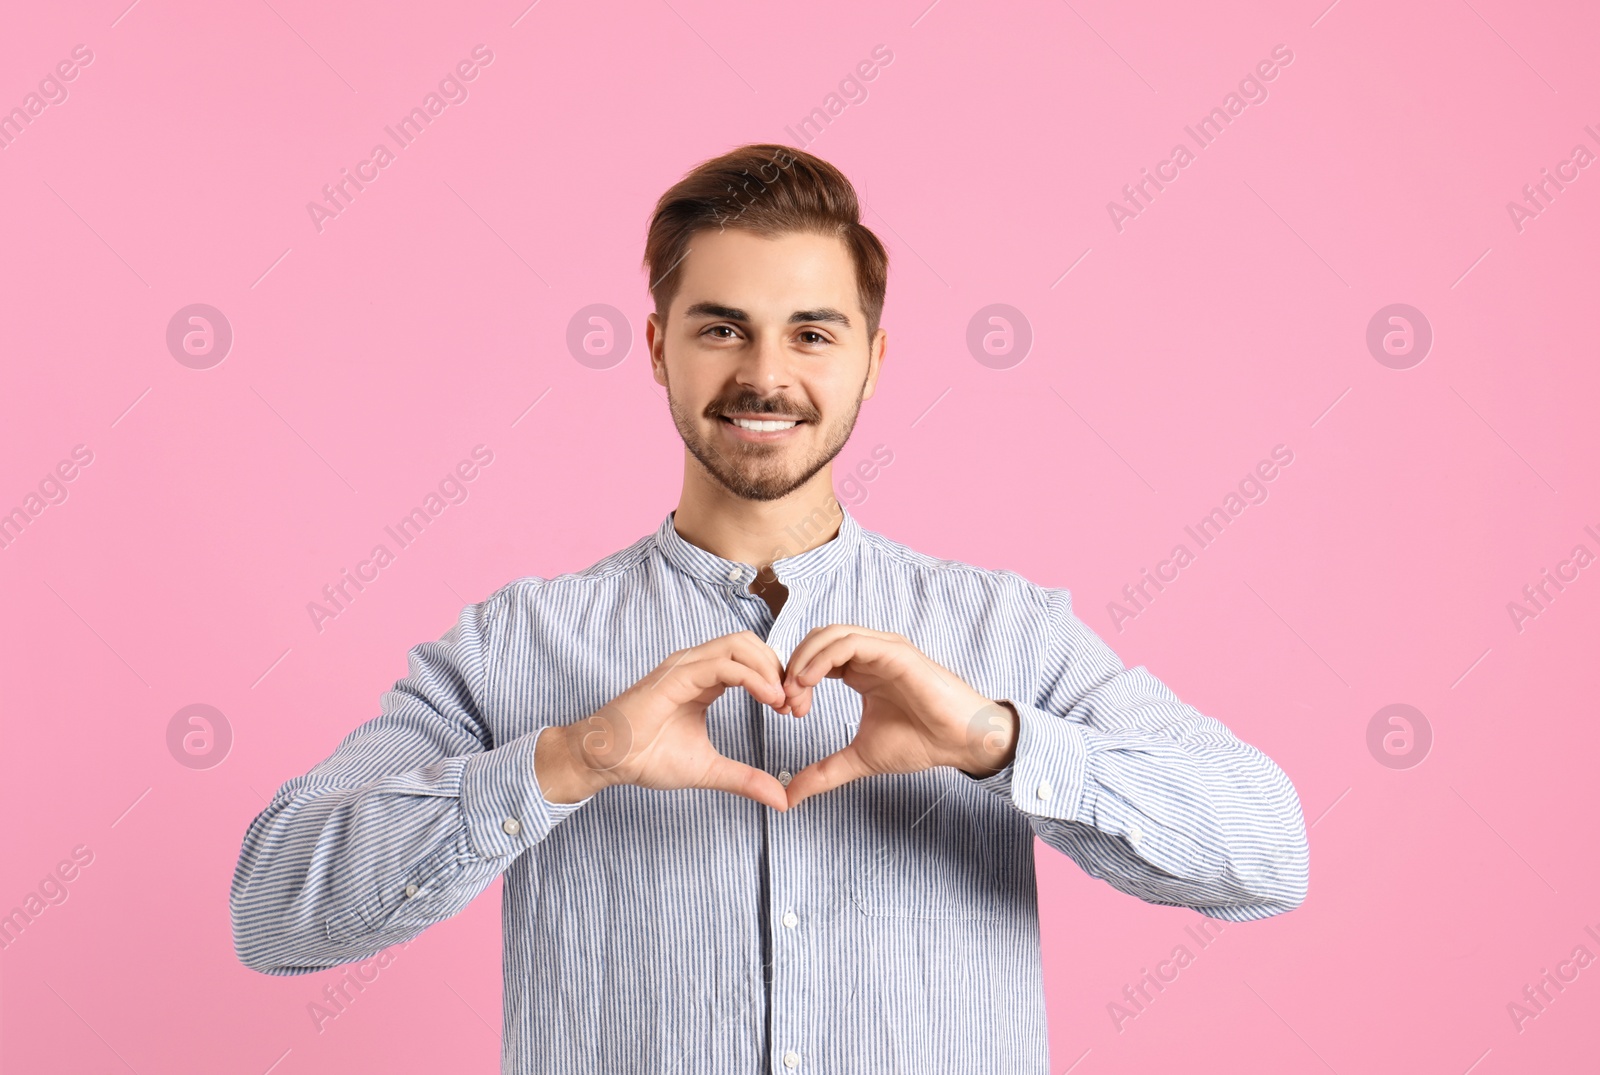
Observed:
{"x":875,"y":356}
{"x":656,"y":344}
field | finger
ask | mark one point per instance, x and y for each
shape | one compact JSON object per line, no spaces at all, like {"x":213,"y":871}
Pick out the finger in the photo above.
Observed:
{"x":737,"y":778}
{"x":753,"y":650}
{"x":868,"y":651}
{"x":693,"y":678}
{"x":854,"y":649}
{"x":746,"y":646}
{"x":815,"y":640}
{"x":798,"y":694}
{"x":831,"y":772}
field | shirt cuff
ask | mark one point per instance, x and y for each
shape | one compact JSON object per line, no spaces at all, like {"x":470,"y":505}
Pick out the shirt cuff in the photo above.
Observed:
{"x":505,"y":808}
{"x":1047,"y":774}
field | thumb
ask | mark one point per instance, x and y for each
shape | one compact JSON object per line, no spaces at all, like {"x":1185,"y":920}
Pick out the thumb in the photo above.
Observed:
{"x":738,"y":778}
{"x":836,"y":769}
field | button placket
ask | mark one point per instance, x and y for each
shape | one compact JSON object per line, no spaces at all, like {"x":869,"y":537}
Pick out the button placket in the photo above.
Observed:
{"x":785,"y":753}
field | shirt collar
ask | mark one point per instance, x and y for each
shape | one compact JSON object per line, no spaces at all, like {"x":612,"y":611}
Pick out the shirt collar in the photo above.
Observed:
{"x":702,"y":564}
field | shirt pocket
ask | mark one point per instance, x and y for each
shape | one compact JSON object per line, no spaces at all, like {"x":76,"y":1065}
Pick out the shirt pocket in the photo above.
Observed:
{"x":933,"y":845}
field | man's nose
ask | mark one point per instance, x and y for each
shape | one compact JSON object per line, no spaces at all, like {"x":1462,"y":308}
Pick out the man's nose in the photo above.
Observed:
{"x":766,"y":366}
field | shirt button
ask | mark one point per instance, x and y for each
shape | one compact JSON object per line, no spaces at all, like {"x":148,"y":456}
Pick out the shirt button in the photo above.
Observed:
{"x":1044,"y":790}
{"x":1134,"y":835}
{"x":791,"y":1059}
{"x":411,"y":890}
{"x":511,"y":826}
{"x":784,"y":776}
{"x":790,"y":920}
{"x":734,"y":573}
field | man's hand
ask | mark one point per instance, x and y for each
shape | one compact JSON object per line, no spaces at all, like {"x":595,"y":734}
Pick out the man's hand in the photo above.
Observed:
{"x":915,"y":714}
{"x":654,"y":734}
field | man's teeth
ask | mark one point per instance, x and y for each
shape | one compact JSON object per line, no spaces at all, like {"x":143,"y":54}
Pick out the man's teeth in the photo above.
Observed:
{"x":761,"y":427}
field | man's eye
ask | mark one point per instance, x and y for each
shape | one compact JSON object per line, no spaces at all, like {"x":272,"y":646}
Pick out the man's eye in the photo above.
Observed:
{"x":817,"y":336}
{"x":715,"y":328}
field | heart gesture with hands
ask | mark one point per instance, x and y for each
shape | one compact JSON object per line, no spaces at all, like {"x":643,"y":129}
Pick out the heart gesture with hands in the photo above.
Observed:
{"x":915,"y":714}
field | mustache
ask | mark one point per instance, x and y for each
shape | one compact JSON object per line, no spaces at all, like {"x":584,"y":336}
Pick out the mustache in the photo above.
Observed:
{"x":760,"y":405}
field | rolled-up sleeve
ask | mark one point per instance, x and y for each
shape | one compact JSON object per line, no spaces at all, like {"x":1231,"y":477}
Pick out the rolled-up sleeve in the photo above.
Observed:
{"x":1145,"y":792}
{"x":412,"y":816}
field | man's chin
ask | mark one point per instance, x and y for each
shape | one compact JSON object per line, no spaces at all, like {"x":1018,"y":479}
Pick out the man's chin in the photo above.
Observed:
{"x":755,"y":471}
{"x":746,"y":487}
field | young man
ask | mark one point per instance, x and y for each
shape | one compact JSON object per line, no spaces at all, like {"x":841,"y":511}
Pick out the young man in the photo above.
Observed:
{"x":764,"y":784}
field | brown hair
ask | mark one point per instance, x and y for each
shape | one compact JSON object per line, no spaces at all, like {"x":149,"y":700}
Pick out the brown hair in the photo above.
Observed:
{"x":769,"y":190}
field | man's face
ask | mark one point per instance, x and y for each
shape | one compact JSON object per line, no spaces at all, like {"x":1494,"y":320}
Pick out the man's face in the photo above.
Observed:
{"x":770,"y":333}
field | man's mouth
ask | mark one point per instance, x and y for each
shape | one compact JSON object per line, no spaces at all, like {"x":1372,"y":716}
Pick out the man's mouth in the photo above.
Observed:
{"x":762,"y":425}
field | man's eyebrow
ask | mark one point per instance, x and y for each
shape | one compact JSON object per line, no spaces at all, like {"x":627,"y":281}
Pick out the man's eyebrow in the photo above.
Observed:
{"x":822,"y":313}
{"x":733,"y":313}
{"x":712,"y":309}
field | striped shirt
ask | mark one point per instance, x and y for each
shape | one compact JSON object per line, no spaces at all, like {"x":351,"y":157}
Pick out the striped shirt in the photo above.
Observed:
{"x":888,"y":925}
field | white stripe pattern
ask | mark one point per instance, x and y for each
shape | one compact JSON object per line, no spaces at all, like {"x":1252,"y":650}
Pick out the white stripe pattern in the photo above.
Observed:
{"x":888,"y":925}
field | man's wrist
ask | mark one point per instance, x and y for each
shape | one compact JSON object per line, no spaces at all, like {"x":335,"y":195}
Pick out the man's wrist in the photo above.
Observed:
{"x":564,"y":772}
{"x":991,"y":740}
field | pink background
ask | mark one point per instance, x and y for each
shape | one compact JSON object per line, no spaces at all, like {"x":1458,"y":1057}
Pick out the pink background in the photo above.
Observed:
{"x":1229,"y":317}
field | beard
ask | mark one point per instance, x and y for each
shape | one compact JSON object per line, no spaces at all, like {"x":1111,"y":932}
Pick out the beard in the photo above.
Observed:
{"x":760,"y":471}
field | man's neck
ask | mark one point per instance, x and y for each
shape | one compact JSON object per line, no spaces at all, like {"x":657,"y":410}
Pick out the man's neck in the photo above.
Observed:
{"x":757,"y":532}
